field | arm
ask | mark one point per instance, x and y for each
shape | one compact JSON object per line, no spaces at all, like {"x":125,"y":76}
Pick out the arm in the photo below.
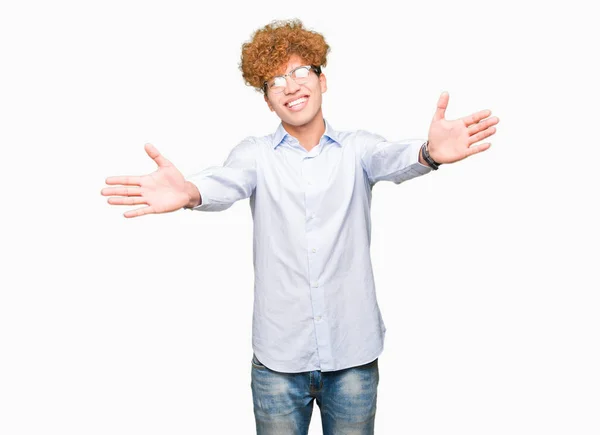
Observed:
{"x":449,"y":142}
{"x":391,"y":161}
{"x":218,"y":187}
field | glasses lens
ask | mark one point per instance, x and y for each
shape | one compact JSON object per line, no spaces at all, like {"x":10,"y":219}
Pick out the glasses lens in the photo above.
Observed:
{"x":301,"y":74}
{"x":277,"y":84}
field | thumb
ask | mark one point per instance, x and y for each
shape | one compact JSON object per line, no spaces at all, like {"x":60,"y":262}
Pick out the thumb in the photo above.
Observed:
{"x":156,"y":155}
{"x":441,"y":106}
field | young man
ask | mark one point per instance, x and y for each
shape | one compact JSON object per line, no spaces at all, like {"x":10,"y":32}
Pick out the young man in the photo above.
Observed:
{"x":317,"y":328}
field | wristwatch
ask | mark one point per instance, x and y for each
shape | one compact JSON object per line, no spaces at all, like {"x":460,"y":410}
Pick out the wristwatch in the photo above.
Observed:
{"x":434,"y":165}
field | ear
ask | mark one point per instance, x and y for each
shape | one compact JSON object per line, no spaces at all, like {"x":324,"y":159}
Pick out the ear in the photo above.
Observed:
{"x":268,"y":102}
{"x":323,"y":83}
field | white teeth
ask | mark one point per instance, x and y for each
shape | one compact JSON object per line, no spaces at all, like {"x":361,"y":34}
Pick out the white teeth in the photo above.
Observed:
{"x":296,"y":102}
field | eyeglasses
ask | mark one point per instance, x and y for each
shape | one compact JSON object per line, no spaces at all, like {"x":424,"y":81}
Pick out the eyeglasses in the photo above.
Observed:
{"x":300,"y":75}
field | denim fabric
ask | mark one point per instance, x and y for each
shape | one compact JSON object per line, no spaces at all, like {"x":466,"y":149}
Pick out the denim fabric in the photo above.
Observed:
{"x":283,"y":402}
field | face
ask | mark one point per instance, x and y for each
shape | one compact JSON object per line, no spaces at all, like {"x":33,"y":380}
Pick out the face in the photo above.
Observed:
{"x":298,"y":115}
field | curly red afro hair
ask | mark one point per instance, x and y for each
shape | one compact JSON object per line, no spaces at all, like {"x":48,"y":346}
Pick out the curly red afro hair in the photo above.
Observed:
{"x":272,"y":46}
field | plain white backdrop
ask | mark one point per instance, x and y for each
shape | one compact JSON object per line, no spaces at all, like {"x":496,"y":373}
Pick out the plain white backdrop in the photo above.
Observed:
{"x":486,"y":270}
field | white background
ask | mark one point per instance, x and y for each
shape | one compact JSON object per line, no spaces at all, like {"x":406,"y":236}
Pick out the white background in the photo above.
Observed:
{"x":486,"y":270}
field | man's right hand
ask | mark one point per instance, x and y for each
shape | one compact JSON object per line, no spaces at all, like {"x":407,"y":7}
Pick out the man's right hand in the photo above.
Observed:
{"x":164,"y":190}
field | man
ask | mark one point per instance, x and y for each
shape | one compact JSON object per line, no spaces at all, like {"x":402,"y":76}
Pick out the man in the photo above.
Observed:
{"x":317,"y":328}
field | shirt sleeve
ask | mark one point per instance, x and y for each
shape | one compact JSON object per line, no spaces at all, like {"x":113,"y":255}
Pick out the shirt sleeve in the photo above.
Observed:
{"x":390,"y":161}
{"x":221,"y":186}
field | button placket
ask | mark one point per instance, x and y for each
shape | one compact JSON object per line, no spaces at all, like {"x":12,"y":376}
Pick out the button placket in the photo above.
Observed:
{"x":311,"y":168}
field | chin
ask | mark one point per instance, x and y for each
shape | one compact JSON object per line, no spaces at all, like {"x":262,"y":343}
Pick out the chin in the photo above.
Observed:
{"x":298,"y":119}
{"x":296,"y":122}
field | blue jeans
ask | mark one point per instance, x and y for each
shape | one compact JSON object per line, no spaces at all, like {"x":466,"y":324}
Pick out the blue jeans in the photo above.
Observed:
{"x":283,"y":402}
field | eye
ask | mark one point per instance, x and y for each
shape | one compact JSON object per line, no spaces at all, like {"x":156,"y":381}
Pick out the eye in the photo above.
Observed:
{"x":278,"y":82}
{"x":301,"y":73}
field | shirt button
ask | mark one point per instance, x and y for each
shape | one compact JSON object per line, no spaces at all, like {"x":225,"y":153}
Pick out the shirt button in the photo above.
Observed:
{"x":314,"y":250}
{"x":316,"y":284}
{"x":309,"y":183}
{"x":318,"y":318}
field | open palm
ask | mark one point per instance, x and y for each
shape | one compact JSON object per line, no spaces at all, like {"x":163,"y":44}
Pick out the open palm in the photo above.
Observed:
{"x":162,"y":191}
{"x":451,"y":141}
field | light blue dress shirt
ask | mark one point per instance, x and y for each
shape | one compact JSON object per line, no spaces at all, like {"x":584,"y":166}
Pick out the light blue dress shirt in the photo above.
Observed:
{"x":315,"y":306}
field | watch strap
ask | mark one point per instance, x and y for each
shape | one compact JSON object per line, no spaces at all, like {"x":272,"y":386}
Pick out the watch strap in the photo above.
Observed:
{"x":434,"y":165}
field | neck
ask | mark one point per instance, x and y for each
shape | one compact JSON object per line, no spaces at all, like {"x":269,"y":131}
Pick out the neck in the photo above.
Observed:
{"x":308,"y":134}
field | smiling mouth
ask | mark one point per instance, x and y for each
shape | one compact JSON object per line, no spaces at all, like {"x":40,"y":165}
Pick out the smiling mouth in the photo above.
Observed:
{"x":298,"y":103}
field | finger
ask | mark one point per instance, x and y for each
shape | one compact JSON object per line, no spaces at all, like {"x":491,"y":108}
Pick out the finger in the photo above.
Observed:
{"x":441,"y":106}
{"x":138,"y":212}
{"x":121,"y":191}
{"x":132,"y":200}
{"x":156,"y":156}
{"x":126,"y":181}
{"x":476,"y":117}
{"x":482,"y":125}
{"x":478,"y":148}
{"x":482,"y":135}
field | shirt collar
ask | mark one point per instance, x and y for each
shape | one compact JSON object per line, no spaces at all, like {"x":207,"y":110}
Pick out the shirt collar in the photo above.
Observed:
{"x":281,"y":134}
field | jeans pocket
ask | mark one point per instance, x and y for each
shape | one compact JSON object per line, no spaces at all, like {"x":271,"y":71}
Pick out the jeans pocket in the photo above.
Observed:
{"x":257,"y":364}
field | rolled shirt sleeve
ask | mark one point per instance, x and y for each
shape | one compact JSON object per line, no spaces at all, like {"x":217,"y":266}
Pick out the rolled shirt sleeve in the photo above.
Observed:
{"x":391,"y":161}
{"x":221,"y":186}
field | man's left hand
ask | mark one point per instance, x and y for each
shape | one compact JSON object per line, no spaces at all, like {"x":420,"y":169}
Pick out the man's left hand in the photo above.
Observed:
{"x":451,"y":141}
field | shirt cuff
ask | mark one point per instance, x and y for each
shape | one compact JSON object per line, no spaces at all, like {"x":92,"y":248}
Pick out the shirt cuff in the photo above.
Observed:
{"x":200,"y":181}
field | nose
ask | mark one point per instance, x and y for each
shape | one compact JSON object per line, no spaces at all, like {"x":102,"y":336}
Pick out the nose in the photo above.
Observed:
{"x":291,"y":85}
